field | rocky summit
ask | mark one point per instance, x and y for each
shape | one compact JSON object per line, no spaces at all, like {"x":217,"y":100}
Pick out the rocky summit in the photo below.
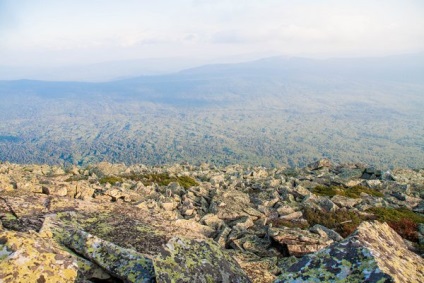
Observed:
{"x":183,"y":223}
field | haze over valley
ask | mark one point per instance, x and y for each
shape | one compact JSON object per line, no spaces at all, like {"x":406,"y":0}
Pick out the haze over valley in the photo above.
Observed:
{"x":274,"y":111}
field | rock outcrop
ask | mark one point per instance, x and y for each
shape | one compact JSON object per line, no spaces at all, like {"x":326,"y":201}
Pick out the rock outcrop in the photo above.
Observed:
{"x":373,"y":253}
{"x":185,"y":260}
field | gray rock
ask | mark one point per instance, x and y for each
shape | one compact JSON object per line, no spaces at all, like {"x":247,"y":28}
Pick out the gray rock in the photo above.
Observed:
{"x":342,"y":201}
{"x":122,"y":263}
{"x":291,"y":216}
{"x":184,"y":260}
{"x":326,"y":233}
{"x":299,"y":242}
{"x":320,"y":164}
{"x":374,"y":253}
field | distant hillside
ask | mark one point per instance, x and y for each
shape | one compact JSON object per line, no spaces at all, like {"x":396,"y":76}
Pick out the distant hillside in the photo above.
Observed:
{"x":271,"y":111}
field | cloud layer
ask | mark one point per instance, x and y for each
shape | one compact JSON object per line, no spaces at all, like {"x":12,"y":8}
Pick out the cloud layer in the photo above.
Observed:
{"x":72,"y":32}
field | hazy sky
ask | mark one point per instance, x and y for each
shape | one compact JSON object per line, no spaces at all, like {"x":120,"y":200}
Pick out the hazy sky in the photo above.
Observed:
{"x":55,"y":32}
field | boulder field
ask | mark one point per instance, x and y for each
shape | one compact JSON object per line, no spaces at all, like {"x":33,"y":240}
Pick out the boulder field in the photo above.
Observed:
{"x":183,"y":223}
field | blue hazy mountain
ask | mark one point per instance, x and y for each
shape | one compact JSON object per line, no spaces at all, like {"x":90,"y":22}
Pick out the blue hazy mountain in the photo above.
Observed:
{"x":272,"y":111}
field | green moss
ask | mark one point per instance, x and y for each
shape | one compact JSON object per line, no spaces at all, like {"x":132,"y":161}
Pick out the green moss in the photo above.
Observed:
{"x":326,"y":191}
{"x":278,"y":222}
{"x":162,"y":179}
{"x":76,"y":178}
{"x":403,"y":221}
{"x":395,"y":214}
{"x":186,"y":182}
{"x":354,"y":192}
{"x":343,"y":222}
{"x":111,"y":180}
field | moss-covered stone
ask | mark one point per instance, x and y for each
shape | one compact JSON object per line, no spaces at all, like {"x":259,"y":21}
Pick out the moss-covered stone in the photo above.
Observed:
{"x":28,"y":257}
{"x":122,"y":263}
{"x":374,"y":253}
{"x":184,"y":260}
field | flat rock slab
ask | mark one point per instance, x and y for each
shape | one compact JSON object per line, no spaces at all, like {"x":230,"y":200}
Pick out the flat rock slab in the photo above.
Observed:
{"x":299,"y":242}
{"x":122,"y":263}
{"x":184,"y":260}
{"x":27,"y":257}
{"x":373,"y":253}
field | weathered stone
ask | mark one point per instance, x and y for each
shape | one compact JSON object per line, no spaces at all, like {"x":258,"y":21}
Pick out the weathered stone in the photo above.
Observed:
{"x":184,"y":260}
{"x":105,"y":169}
{"x":374,"y":253}
{"x":27,"y":257}
{"x":285,"y":210}
{"x":230,"y":205}
{"x":6,"y":184}
{"x":194,"y":226}
{"x":299,"y":242}
{"x":58,"y":190}
{"x":320,"y":202}
{"x":300,"y":192}
{"x":325,"y":232}
{"x":244,"y":222}
{"x":291,"y":216}
{"x":212,"y":221}
{"x":122,"y":263}
{"x":320,"y":164}
{"x":350,"y":173}
{"x":253,"y":213}
{"x":342,"y":201}
{"x":222,"y":237}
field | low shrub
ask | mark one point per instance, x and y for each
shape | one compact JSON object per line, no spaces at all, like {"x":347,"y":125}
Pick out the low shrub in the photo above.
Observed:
{"x":354,"y":192}
{"x":162,"y":179}
{"x":111,"y":180}
{"x":278,"y":222}
{"x":76,"y":178}
{"x":343,"y":222}
{"x":402,"y":220}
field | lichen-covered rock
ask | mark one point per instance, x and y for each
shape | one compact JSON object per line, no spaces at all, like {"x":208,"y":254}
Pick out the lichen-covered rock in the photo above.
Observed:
{"x":373,"y":253}
{"x":57,"y":190}
{"x":28,"y":257}
{"x":230,"y":205}
{"x":184,"y":260}
{"x":299,"y":242}
{"x":343,"y":201}
{"x":325,"y":232}
{"x":320,"y":164}
{"x":122,"y":263}
{"x":104,"y":169}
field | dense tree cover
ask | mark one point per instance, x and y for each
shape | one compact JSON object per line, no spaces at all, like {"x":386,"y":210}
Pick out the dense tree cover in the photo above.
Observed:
{"x":220,"y":118}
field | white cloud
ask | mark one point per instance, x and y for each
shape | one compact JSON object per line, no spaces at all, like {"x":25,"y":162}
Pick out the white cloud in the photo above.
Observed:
{"x":205,"y":28}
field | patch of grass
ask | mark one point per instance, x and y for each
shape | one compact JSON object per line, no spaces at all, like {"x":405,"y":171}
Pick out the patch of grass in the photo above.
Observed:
{"x":186,"y":182}
{"x":326,"y":191}
{"x":76,"y":178}
{"x":403,"y":221}
{"x":277,"y":222}
{"x":354,"y":192}
{"x":343,"y":222}
{"x":291,"y":172}
{"x":162,"y":179}
{"x":111,"y":180}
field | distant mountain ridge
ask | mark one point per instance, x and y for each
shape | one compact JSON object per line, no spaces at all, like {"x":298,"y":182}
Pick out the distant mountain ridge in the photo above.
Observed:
{"x":271,"y":111}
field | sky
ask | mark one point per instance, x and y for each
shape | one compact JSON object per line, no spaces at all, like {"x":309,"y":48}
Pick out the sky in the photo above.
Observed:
{"x":78,"y":32}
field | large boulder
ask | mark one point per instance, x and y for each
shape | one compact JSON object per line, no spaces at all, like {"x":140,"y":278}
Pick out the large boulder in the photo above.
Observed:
{"x":230,"y":205}
{"x":184,"y":260}
{"x":122,"y":263}
{"x":28,"y":257}
{"x":298,"y":242}
{"x":104,"y":169}
{"x":322,"y":163}
{"x":373,"y":253}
